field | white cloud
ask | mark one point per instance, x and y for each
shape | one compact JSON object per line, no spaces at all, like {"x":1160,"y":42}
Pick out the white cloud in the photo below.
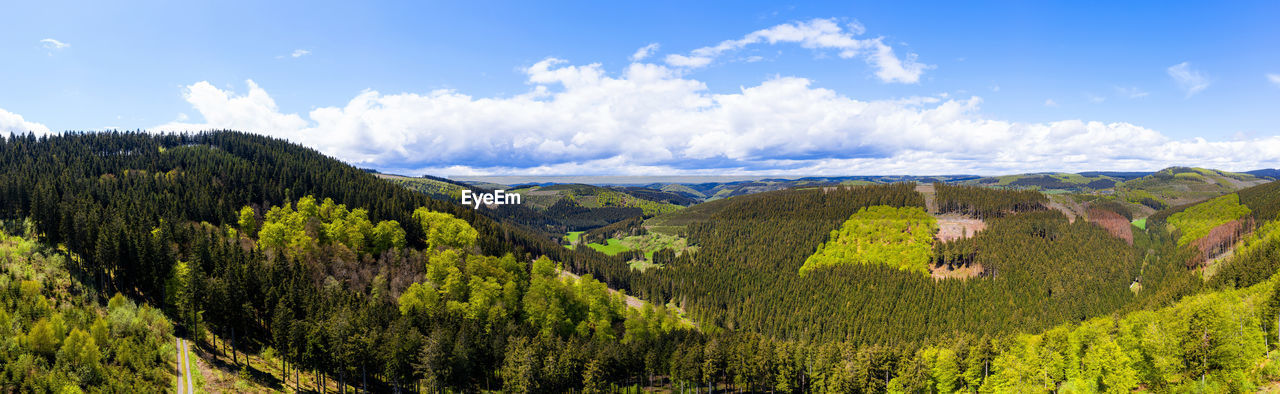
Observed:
{"x":1189,"y":80}
{"x":1274,"y":78}
{"x":1050,"y":103}
{"x":14,"y":123}
{"x":817,"y":34}
{"x":297,"y":53}
{"x":1130,"y":92}
{"x":644,"y":52}
{"x":254,"y":111}
{"x":53,"y":44}
{"x":688,"y":61}
{"x":653,"y":119}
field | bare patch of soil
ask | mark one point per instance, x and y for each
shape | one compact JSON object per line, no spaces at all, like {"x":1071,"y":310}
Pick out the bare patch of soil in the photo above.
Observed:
{"x":955,"y":226}
{"x":1068,"y":207}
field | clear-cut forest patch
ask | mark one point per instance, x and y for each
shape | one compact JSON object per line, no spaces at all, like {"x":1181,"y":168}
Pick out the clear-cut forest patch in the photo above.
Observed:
{"x":952,"y":227}
{"x":1113,"y":222}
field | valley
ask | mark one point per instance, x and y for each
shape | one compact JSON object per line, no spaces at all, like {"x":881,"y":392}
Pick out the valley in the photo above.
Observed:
{"x":303,"y":273}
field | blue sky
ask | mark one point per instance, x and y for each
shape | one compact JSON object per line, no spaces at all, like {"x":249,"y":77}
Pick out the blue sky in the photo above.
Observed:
{"x":451,"y":88}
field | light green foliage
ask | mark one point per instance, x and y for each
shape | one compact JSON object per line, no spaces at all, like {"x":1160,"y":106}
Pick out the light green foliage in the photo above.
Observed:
{"x":77,"y":346}
{"x":248,"y":221}
{"x":388,"y":234}
{"x":611,"y":247}
{"x":180,"y":294}
{"x":898,"y":237}
{"x":1216,"y":337}
{"x":584,"y":307}
{"x":443,"y":229}
{"x":80,"y":356}
{"x":1139,"y":196}
{"x":420,"y":300}
{"x":1196,"y":222}
{"x":488,"y":290}
{"x":1140,"y":223}
{"x":297,"y":229}
{"x":41,"y":339}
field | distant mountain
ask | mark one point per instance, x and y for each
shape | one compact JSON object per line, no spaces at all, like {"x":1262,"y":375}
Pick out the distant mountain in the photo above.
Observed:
{"x":1269,"y":173}
{"x":1051,"y":181}
{"x":1183,"y":185}
{"x":1122,"y":175}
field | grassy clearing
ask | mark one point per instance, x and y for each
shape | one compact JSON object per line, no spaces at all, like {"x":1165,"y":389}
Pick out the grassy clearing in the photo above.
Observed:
{"x":653,"y":242}
{"x":648,"y":243}
{"x":572,"y":237}
{"x":613,"y":247}
{"x":1140,"y":223}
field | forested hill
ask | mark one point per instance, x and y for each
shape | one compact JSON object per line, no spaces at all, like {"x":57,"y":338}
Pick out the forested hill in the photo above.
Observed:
{"x":76,"y":184}
{"x":277,"y":249}
{"x":154,"y":213}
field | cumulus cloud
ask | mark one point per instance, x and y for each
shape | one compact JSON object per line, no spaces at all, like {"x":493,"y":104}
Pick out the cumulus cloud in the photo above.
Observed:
{"x":1274,"y":78}
{"x":652,"y":119}
{"x":1050,"y":103}
{"x":297,"y":53}
{"x":1189,"y":80}
{"x":14,"y":123}
{"x":817,"y":34}
{"x":254,"y":111}
{"x":644,"y":52}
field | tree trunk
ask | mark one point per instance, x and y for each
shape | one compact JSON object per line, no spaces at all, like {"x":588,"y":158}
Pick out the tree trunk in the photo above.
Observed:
{"x":235,"y":358}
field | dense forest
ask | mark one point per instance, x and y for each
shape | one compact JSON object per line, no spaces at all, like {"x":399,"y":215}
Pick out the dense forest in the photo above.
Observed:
{"x":984,"y":202}
{"x":269,"y":245}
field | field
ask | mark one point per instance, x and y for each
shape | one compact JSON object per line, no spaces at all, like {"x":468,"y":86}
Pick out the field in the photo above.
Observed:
{"x":648,"y":244}
{"x":572,"y":237}
{"x":612,"y":247}
{"x":899,"y":237}
{"x":653,"y":242}
{"x":1140,"y":223}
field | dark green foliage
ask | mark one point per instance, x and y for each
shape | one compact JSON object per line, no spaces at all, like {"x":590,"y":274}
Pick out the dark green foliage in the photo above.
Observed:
{"x":1263,"y":200}
{"x":984,"y":202}
{"x":1113,"y":206}
{"x":1039,"y":270}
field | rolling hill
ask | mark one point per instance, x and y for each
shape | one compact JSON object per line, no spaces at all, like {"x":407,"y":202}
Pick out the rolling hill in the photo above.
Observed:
{"x":252,"y":245}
